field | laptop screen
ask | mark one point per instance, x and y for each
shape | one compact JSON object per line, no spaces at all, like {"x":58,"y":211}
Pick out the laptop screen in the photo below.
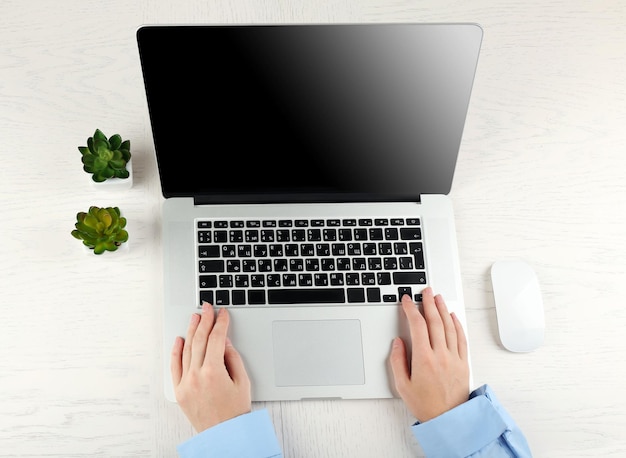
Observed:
{"x":315,"y":112}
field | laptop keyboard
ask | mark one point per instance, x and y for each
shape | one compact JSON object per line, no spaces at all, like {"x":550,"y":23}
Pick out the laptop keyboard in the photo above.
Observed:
{"x":309,"y":261}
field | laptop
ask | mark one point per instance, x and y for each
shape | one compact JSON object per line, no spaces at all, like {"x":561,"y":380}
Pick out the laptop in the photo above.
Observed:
{"x":305,"y":172}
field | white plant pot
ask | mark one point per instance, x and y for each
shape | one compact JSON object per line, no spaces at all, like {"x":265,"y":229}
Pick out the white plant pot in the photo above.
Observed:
{"x":116,"y":184}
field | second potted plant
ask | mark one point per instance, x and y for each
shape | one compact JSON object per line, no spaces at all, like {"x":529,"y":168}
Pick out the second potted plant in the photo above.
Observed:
{"x":101,"y":229}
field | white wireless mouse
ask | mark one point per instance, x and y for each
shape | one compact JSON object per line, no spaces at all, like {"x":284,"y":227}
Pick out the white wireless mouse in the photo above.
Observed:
{"x":519,"y":305}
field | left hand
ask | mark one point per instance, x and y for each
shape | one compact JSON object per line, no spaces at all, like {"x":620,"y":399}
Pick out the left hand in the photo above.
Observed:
{"x":210,"y":381}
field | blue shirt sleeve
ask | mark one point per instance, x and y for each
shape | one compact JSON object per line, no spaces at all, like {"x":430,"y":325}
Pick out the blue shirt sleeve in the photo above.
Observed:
{"x":480,"y":427}
{"x":250,"y":435}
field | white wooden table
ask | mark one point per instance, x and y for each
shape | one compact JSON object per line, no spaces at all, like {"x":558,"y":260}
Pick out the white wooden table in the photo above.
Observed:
{"x":541,"y":176}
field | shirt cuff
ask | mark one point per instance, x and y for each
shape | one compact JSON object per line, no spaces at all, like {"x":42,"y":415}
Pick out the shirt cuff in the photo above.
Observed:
{"x":249,"y":435}
{"x":465,"y":429}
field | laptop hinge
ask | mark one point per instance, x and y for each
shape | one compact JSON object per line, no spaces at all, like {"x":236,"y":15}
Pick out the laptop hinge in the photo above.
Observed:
{"x":298,"y":198}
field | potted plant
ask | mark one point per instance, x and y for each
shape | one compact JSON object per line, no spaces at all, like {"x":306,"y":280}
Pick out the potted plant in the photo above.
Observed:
{"x":101,"y":229}
{"x":108,"y":160}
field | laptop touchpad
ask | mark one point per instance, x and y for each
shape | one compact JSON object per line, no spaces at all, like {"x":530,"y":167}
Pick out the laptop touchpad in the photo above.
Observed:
{"x":318,"y":352}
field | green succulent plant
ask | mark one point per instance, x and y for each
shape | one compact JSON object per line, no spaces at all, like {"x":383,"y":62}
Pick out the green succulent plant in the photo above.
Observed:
{"x":101,"y":229}
{"x":105,"y":158}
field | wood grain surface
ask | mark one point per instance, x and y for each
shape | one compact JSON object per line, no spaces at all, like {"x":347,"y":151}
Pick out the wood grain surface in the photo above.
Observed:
{"x":541,"y":176}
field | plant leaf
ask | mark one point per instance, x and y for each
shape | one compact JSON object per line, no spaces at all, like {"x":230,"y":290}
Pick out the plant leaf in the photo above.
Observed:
{"x":115,"y":141}
{"x":117,"y":163}
{"x":98,"y":135}
{"x":89,"y":160}
{"x":121,"y":236}
{"x":102,"y":148}
{"x":108,"y":172}
{"x":90,"y":145}
{"x":99,"y":248}
{"x":99,"y":163}
{"x":105,"y":217}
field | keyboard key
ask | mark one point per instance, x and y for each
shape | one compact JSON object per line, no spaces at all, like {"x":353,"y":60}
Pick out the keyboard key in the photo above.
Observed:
{"x":418,"y":254}
{"x":226,"y":281}
{"x":373,"y":295}
{"x":208,"y":251}
{"x":306,"y":296}
{"x":356,"y":295}
{"x":406,"y":263}
{"x":239,"y":297}
{"x":376,"y":234}
{"x":410,"y":233}
{"x":257,"y":296}
{"x":391,"y":233}
{"x":206,"y":296}
{"x":409,"y":278}
{"x":208,"y":281}
{"x":222,"y":297}
{"x":233,"y":265}
{"x":257,"y":280}
{"x":204,"y":236}
{"x":213,"y":265}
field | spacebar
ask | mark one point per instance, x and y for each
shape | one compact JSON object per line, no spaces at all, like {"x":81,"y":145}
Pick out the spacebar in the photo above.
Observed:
{"x":306,"y":296}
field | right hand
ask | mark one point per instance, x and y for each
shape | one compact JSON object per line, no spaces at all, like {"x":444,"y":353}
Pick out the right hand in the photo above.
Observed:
{"x":438,"y":377}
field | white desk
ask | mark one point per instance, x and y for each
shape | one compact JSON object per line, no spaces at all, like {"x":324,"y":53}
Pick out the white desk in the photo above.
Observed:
{"x":541,"y":175}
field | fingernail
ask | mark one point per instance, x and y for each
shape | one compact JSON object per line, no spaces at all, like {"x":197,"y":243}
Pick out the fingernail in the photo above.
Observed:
{"x":428,"y":290}
{"x":205,"y":306}
{"x":228,"y":342}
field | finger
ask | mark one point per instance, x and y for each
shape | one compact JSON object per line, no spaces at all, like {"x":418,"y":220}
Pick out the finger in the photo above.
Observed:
{"x":200,"y":339}
{"x":191,"y":330}
{"x":176,"y":363}
{"x":399,"y":364}
{"x":217,"y":339}
{"x":417,"y":324}
{"x":234,"y":364}
{"x":433,"y":319}
{"x":461,"y":338}
{"x":448,"y":325}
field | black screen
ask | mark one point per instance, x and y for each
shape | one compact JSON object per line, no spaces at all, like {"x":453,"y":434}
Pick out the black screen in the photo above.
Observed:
{"x":333,"y":112}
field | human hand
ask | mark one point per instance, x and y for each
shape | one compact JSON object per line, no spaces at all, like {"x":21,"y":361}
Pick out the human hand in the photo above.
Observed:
{"x":210,"y":381}
{"x":438,"y":378}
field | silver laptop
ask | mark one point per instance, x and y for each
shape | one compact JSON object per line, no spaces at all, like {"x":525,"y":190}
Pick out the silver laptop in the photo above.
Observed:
{"x":305,"y":170}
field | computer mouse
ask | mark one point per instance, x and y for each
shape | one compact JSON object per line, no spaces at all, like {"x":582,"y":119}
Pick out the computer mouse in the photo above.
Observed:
{"x":519,"y":305}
